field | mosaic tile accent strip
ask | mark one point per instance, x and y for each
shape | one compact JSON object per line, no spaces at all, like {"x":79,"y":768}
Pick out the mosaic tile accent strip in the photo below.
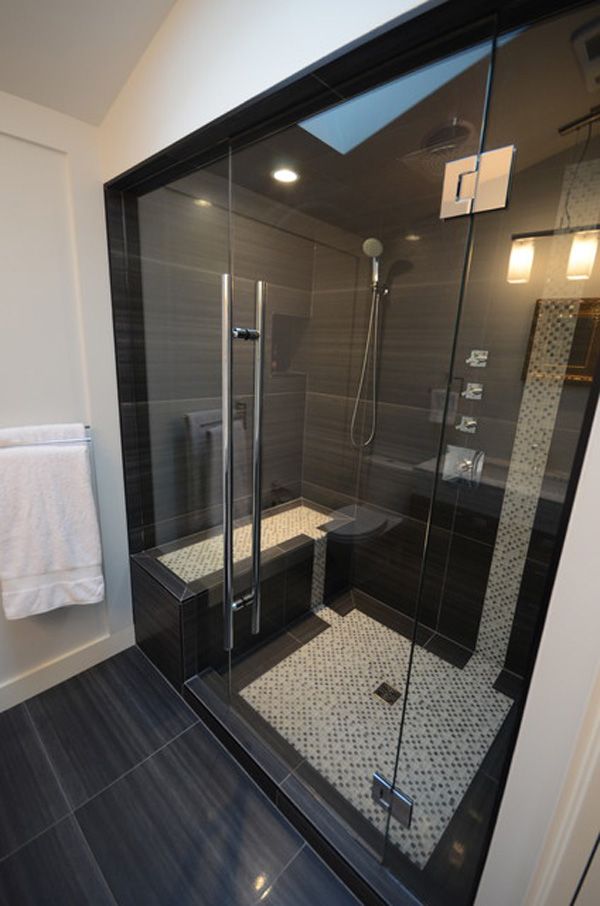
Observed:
{"x":539,"y":405}
{"x":544,"y":382}
{"x":321,"y":699}
{"x":205,"y":557}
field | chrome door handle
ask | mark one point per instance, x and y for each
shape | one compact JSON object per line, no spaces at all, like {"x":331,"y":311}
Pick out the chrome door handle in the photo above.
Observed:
{"x":260,"y":305}
{"x":228,"y":333}
{"x":227,"y":461}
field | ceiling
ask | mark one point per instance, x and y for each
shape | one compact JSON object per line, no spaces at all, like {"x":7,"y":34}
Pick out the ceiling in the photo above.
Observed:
{"x":74,"y":55}
{"x":389,"y":183}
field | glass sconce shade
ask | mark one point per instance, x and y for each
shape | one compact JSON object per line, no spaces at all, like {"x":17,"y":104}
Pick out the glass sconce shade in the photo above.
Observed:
{"x":520,"y":261}
{"x":582,"y":256}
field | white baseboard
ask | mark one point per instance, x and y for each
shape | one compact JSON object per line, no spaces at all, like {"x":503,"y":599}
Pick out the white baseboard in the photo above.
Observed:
{"x":19,"y":688}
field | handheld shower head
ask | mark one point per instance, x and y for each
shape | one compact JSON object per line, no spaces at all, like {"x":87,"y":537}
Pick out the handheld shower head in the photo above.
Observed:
{"x":373,"y":248}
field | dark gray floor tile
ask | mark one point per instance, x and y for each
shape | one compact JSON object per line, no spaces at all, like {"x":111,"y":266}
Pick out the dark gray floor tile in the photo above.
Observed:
{"x":31,"y":798}
{"x":55,"y":869}
{"x":103,"y":722}
{"x":451,"y":872}
{"x":307,"y":881}
{"x":192,"y":829}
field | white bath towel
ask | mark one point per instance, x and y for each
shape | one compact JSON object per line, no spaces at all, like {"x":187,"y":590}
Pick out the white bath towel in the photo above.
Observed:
{"x":50,"y":552}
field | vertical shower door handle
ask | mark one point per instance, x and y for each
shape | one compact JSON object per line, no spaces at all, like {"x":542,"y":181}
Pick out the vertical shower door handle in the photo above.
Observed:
{"x":227,"y":464}
{"x":228,"y":334}
{"x":259,"y":348}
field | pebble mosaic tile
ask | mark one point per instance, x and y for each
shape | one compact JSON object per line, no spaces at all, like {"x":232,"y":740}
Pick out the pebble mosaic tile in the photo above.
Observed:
{"x":205,"y":557}
{"x":321,"y":699}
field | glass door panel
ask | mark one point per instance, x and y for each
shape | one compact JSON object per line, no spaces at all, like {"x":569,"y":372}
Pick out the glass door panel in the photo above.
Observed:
{"x":530,"y":313}
{"x":339,"y":216}
{"x":183,"y":231}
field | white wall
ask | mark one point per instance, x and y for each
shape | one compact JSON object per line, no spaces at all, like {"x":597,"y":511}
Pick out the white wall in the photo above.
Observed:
{"x":57,"y":364}
{"x":208,"y":57}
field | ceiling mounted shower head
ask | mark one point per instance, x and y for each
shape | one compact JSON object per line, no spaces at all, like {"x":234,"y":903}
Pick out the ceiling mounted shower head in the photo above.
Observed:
{"x":372,"y":247}
{"x":445,"y":142}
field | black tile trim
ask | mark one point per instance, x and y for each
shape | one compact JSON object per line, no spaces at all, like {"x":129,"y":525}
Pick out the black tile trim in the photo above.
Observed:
{"x":390,"y":617}
{"x":448,"y":650}
{"x":509,"y":684}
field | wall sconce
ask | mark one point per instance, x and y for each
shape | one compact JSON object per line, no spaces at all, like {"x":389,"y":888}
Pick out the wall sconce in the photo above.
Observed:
{"x":584,"y":246}
{"x":520,"y":261}
{"x":582,"y":256}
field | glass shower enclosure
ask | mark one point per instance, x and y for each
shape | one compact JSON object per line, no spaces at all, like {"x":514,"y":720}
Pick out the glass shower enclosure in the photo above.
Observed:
{"x":361,"y":358}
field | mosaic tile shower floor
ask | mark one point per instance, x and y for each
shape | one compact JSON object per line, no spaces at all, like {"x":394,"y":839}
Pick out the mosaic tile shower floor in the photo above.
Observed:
{"x":321,"y":699}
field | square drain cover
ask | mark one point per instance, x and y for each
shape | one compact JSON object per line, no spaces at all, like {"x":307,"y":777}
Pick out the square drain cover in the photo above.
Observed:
{"x":387,"y":693}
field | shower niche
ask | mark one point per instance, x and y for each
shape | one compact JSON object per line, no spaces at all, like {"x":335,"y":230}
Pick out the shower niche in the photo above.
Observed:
{"x":414,"y":481}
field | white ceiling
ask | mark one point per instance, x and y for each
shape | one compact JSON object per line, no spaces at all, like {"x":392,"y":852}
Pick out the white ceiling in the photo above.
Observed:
{"x":74,"y":55}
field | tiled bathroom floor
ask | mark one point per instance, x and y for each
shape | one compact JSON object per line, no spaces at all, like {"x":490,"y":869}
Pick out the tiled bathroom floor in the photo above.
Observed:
{"x":113,"y":792}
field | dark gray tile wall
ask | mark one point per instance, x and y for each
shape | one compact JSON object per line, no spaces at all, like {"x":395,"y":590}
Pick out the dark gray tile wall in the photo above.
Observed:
{"x":319,"y":297}
{"x":184,"y":250}
{"x":396,"y":471}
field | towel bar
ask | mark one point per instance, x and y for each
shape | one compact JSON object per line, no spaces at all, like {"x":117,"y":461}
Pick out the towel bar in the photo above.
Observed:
{"x":50,"y":443}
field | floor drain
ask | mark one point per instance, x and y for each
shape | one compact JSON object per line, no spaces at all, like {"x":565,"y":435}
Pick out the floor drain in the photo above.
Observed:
{"x":387,"y":693}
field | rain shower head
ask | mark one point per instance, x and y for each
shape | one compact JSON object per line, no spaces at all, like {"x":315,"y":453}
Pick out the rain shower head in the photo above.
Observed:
{"x":373,"y":248}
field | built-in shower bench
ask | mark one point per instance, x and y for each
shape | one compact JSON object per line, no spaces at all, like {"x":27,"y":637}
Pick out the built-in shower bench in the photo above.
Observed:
{"x":178,"y":588}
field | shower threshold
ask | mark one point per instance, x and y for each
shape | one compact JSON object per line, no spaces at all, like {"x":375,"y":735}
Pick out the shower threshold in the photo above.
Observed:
{"x":260,"y":717}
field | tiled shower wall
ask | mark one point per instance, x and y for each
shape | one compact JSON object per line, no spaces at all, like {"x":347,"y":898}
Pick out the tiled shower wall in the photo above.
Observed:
{"x":395,"y":472}
{"x":319,"y":302}
{"x":184,"y":250}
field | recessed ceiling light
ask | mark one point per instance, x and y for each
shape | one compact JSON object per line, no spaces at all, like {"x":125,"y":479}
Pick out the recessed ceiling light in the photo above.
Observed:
{"x":284,"y":174}
{"x":203,"y":202}
{"x":412,"y":237}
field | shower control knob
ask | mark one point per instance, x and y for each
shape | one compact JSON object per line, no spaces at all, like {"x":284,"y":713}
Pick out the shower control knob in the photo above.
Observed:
{"x":473,"y":391}
{"x":478,"y":358}
{"x":467,"y":425}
